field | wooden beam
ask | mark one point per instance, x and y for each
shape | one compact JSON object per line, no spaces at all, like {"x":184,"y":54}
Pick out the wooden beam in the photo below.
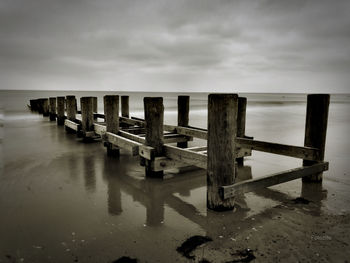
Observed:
{"x":229,"y":191}
{"x":306,"y":153}
{"x":72,"y":125}
{"x":99,"y":129}
{"x":185,"y":156}
{"x":122,"y":142}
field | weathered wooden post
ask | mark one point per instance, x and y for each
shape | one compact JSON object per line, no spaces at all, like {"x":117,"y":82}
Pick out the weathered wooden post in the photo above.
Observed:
{"x":52,"y":101}
{"x":87,"y":116}
{"x":125,"y":106}
{"x":71,"y":107}
{"x":95,"y":106}
{"x":241,"y":120}
{"x":60,"y":110}
{"x":316,"y":129}
{"x":222,"y":130}
{"x":33,"y":105}
{"x":111,"y":110}
{"x":45,"y":107}
{"x":154,"y":120}
{"x":40,"y":103}
{"x":183,"y":109}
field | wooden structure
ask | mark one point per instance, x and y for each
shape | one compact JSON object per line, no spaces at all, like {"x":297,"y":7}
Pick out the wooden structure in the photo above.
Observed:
{"x":227,"y":144}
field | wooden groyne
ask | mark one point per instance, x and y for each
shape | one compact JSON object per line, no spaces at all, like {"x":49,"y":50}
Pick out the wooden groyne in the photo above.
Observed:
{"x":162,"y":147}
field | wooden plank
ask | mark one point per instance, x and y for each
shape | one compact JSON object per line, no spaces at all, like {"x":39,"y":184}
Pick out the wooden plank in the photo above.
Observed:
{"x":306,"y":153}
{"x":164,"y":163}
{"x":72,"y":125}
{"x":197,"y":148}
{"x":123,"y":142}
{"x":229,"y":191}
{"x":187,"y":131}
{"x":132,"y":136}
{"x":185,"y":156}
{"x":132,"y":121}
{"x":99,"y":129}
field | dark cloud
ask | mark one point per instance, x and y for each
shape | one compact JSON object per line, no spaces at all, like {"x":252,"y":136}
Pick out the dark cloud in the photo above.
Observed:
{"x":180,"y":45}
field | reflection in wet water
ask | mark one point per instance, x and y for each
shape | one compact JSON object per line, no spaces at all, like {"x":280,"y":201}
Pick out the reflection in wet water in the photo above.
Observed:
{"x":89,"y":172}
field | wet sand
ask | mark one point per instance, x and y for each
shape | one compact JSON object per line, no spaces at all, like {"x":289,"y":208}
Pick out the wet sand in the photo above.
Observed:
{"x":62,"y":200}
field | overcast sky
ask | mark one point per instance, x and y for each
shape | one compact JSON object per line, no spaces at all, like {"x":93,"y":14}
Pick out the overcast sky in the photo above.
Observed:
{"x":175,"y":45}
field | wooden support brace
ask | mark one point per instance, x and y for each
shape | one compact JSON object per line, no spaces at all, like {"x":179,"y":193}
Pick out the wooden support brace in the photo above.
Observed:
{"x":229,"y":191}
{"x":122,"y":142}
{"x":72,"y":125}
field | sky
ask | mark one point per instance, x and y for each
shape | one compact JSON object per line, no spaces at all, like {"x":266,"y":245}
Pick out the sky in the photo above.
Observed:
{"x":176,"y":45}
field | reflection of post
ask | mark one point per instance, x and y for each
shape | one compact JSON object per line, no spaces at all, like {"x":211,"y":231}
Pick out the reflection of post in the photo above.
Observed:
{"x":154,"y":119}
{"x":111,"y":108}
{"x":89,"y":173}
{"x":155,"y":206}
{"x":52,"y":101}
{"x":183,"y":109}
{"x":60,"y":110}
{"x":114,"y":196}
{"x":111,"y":173}
{"x":316,"y":129}
{"x":222,"y":130}
{"x":241,"y":119}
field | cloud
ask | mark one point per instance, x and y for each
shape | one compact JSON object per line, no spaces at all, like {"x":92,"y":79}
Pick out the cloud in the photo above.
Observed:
{"x":179,"y":45}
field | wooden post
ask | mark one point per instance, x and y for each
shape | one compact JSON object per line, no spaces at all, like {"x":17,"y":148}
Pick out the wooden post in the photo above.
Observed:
{"x":60,"y":110}
{"x":87,"y":116}
{"x":71,"y":107}
{"x":94,"y":107}
{"x":33,"y":105}
{"x":183,"y":109}
{"x":125,"y":106}
{"x":316,"y":129}
{"x":222,"y":130}
{"x":46,"y":107}
{"x":40,"y":105}
{"x":241,"y":120}
{"x":111,"y":110}
{"x":52,"y":101}
{"x":154,"y":120}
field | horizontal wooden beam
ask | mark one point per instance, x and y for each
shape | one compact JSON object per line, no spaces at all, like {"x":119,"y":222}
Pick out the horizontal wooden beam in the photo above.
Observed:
{"x":122,"y":142}
{"x":99,"y":129}
{"x":305,"y":153}
{"x":72,"y":125}
{"x":269,"y":180}
{"x":185,"y":156}
{"x":164,"y":163}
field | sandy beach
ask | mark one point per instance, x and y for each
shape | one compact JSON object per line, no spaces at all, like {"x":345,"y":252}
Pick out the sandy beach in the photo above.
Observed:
{"x":62,"y":200}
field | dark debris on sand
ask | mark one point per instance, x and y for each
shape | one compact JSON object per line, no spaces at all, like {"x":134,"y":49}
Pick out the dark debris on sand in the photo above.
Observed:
{"x":245,"y":255}
{"x":125,"y":260}
{"x":191,"y":244}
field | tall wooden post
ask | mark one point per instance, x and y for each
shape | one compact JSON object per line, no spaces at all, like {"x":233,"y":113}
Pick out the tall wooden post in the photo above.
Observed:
{"x":71,"y":107}
{"x":111,"y":110}
{"x":46,"y":107}
{"x":316,"y":129}
{"x":60,"y":110}
{"x":183,"y":109}
{"x":40,"y":105}
{"x":95,"y":106}
{"x":87,"y":116}
{"x":241,"y":120}
{"x":52,"y":102}
{"x":33,"y":105}
{"x":154,"y":120}
{"x":222,"y":130}
{"x":125,"y":106}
